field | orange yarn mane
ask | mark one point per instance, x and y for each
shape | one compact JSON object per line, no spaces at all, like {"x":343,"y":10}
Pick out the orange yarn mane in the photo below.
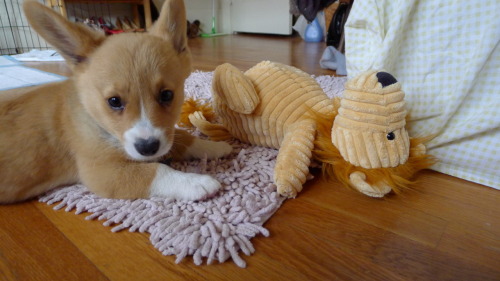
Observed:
{"x":334,"y":165}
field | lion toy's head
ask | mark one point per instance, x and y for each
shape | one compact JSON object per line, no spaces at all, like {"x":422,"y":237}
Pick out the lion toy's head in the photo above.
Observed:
{"x":364,"y":143}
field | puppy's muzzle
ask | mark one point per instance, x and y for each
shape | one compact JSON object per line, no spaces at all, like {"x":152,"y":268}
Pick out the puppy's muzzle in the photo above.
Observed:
{"x":147,"y":147}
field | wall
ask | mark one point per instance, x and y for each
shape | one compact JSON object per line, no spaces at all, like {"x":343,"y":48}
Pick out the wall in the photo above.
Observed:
{"x":256,"y":16}
{"x":202,"y":11}
{"x":261,"y":16}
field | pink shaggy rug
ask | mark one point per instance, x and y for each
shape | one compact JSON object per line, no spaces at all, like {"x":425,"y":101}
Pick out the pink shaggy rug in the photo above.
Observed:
{"x":216,"y":229}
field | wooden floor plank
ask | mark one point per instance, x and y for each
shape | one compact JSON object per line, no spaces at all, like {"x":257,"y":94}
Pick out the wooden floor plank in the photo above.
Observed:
{"x":377,"y":247}
{"x":120,"y":256}
{"x":439,"y":222}
{"x":315,"y":248}
{"x":471,"y":244}
{"x":31,"y":248}
{"x":441,"y":195}
{"x":134,"y":251}
{"x":387,"y":213}
{"x":244,"y":51}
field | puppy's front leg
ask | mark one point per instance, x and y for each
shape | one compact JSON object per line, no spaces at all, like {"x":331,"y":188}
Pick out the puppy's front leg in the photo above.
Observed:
{"x":187,"y":146}
{"x":124,"y":179}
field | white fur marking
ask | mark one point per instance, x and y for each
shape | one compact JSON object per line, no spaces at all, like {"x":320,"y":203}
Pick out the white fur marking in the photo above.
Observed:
{"x":171,"y":183}
{"x":144,"y":129}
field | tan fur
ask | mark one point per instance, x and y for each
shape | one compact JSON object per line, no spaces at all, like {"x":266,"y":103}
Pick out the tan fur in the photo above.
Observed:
{"x":279,"y":106}
{"x":66,"y":132}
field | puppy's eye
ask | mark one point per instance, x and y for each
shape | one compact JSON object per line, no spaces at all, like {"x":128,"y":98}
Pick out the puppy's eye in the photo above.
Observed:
{"x":116,"y":103}
{"x":166,"y":96}
{"x":391,"y":136}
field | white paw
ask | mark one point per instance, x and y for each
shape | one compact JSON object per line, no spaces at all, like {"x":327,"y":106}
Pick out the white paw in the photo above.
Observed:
{"x":198,"y":187}
{"x":183,"y":186}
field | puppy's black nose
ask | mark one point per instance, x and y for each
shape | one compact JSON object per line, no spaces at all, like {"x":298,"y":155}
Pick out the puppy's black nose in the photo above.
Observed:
{"x":147,"y":147}
{"x":386,"y":79}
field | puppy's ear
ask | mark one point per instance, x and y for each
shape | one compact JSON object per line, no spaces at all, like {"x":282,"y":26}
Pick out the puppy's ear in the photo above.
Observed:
{"x":171,"y":24}
{"x":74,"y":41}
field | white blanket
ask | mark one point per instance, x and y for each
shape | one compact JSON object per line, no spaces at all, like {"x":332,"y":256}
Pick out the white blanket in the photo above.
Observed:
{"x":446,"y":55}
{"x":17,"y":76}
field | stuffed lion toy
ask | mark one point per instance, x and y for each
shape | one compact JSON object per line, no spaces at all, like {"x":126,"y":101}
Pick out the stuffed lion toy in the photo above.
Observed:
{"x":360,"y":140}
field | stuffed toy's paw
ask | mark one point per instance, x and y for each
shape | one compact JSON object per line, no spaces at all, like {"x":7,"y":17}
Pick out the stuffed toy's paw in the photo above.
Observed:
{"x":358,"y":181}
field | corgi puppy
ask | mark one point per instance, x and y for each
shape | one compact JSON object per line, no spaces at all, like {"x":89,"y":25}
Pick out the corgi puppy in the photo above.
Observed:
{"x":111,"y":121}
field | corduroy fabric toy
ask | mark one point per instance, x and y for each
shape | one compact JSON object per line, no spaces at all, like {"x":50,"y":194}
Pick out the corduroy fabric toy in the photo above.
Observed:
{"x":279,"y":106}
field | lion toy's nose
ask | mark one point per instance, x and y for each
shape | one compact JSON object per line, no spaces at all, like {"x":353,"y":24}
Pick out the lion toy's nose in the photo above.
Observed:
{"x":386,"y":79}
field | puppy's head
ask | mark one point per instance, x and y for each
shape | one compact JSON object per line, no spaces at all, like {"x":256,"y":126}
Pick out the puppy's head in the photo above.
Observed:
{"x":130,"y":84}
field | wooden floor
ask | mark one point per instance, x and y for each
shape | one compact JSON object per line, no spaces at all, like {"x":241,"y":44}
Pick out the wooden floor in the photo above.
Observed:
{"x":445,"y":229}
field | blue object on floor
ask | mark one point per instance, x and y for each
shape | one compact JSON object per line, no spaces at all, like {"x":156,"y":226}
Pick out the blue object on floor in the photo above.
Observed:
{"x":314,"y":32}
{"x":333,"y":59}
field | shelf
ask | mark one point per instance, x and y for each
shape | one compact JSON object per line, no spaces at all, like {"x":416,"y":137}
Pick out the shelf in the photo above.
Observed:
{"x":61,"y":5}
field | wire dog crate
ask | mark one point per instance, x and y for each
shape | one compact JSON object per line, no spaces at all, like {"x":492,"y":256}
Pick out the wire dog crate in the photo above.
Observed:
{"x":16,"y":36}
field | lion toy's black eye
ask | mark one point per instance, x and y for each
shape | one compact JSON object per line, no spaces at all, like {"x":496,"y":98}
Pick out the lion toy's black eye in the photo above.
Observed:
{"x":391,"y":136}
{"x":115,"y":103}
{"x":166,"y":96}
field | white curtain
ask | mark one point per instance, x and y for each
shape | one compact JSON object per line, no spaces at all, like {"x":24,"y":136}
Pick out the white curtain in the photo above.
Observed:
{"x":446,"y":55}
